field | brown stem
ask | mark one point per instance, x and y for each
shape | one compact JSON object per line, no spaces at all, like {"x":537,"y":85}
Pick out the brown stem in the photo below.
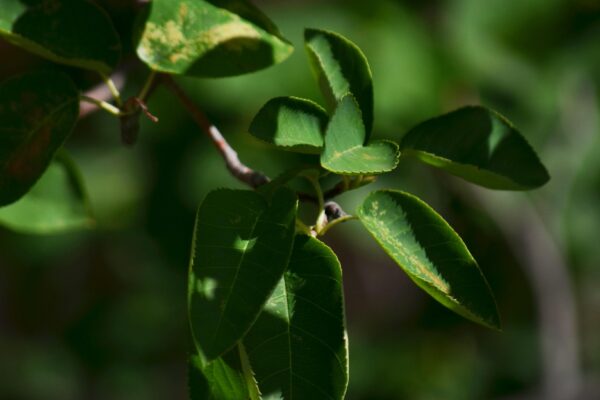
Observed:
{"x":243,"y":173}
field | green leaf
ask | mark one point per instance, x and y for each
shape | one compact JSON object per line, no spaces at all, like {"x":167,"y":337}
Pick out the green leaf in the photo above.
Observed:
{"x":298,"y":346}
{"x":341,"y":68}
{"x":344,"y":151}
{"x":37,"y":113}
{"x":285,"y":177}
{"x":430,"y":252}
{"x":292,"y":123}
{"x":220,"y":379}
{"x":72,"y":32}
{"x":242,"y":245}
{"x":478,"y":145}
{"x":57,"y":202}
{"x":209,"y":38}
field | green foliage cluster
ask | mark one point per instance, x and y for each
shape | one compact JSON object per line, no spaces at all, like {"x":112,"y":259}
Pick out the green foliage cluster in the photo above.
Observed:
{"x":265,"y":301}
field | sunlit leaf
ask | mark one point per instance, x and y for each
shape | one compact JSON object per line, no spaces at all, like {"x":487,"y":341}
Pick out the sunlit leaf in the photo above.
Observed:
{"x":210,"y":38}
{"x":478,"y":145}
{"x":241,"y":245}
{"x":344,"y":151}
{"x":72,"y":32}
{"x":291,"y":123}
{"x":430,"y":252}
{"x":57,"y":202}
{"x":219,"y":379}
{"x":298,"y":346}
{"x":37,"y":113}
{"x":341,"y":68}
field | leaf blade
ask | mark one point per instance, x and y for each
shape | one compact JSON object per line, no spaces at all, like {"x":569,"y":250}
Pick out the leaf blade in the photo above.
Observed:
{"x":242,"y":245}
{"x":58,"y":202}
{"x":38,"y":112}
{"x":344,"y":152}
{"x":430,"y":252}
{"x":298,"y":345}
{"x":209,"y":38}
{"x":341,"y":68}
{"x":219,"y":379}
{"x":60,"y":31}
{"x":291,"y":123}
{"x":478,"y":145}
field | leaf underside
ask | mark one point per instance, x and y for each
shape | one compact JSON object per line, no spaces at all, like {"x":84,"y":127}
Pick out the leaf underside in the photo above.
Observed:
{"x":344,"y":152}
{"x":37,"y":113}
{"x":242,"y":245}
{"x":72,"y":32}
{"x":213,"y":38}
{"x":478,"y":145}
{"x":298,"y":346}
{"x":430,"y":252}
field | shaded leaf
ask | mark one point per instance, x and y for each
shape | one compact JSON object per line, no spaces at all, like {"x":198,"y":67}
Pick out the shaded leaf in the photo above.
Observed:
{"x":430,"y":252}
{"x":209,"y":38}
{"x":341,"y":68}
{"x":298,"y":345}
{"x":242,"y":245}
{"x":478,"y":145}
{"x":344,"y":151}
{"x":37,"y":113}
{"x":292,"y":123}
{"x":57,"y":202}
{"x":72,"y":32}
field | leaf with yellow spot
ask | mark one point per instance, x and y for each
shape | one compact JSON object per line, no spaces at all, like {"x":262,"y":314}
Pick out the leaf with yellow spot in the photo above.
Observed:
{"x":37,"y":113}
{"x":344,"y":152}
{"x":430,"y":252}
{"x":209,"y":38}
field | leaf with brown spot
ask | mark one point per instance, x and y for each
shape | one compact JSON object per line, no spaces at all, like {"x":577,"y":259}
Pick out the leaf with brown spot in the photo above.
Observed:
{"x":37,"y":113}
{"x":209,"y":38}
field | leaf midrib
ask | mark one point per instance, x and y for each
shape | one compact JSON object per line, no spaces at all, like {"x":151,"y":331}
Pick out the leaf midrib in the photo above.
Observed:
{"x":234,"y":283}
{"x":338,"y":154}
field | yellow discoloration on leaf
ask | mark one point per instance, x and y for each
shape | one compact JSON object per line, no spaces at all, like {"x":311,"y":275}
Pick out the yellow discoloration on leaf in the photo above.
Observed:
{"x":423,"y":271}
{"x":231,"y":30}
{"x":184,"y":47}
{"x":183,"y":11}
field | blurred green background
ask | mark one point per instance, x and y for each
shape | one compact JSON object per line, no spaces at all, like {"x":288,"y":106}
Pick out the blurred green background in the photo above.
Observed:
{"x":101,"y":314}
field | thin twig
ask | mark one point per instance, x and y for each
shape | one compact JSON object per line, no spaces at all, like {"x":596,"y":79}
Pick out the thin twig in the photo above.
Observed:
{"x":114,"y":91}
{"x":336,"y":222}
{"x":101,"y":92}
{"x":334,"y":214}
{"x":243,"y":173}
{"x":148,"y":87}
{"x":101,"y":104}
